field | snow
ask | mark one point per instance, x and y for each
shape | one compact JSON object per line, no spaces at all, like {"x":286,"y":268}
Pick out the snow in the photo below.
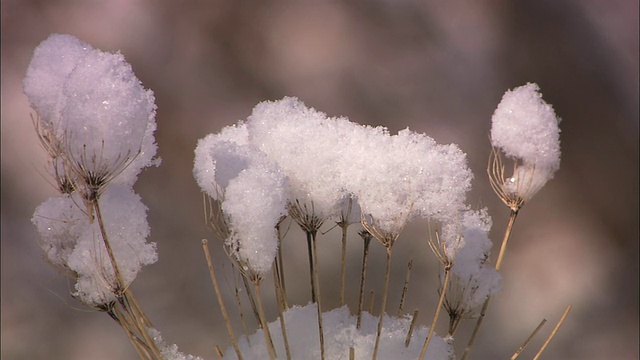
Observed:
{"x":323,"y":161}
{"x":526,"y":128}
{"x":340,"y":333}
{"x":94,"y":105}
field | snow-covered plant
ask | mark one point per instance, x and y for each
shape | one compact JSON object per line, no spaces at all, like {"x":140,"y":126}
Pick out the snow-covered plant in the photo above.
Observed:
{"x":96,"y":122}
{"x":285,"y":162}
{"x":525,"y":128}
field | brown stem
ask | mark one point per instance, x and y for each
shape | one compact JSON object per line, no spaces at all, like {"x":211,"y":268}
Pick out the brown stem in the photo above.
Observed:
{"x":281,"y":308}
{"x":485,"y":306}
{"x":553,"y":332}
{"x":316,"y":287}
{"x":405,"y":288}
{"x":363,"y":276}
{"x":223,"y":309}
{"x":447,"y":273}
{"x":526,"y":342}
{"x":263,"y":322}
{"x":384,"y":301}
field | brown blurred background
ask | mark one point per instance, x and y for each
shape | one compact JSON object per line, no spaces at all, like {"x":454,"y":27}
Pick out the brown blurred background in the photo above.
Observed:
{"x":438,"y":67}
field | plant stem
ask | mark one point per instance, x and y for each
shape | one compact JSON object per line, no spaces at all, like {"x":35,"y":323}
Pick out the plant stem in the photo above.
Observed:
{"x":405,"y":288}
{"x":281,"y":307}
{"x":407,"y":341}
{"x":223,"y":309}
{"x":447,"y":273}
{"x":311,"y":264}
{"x":343,"y":271}
{"x":119,"y":285}
{"x":316,"y":286}
{"x":553,"y":332}
{"x":505,"y":240}
{"x":263,"y":322}
{"x":384,"y":300}
{"x":526,"y":342}
{"x":363,"y":276}
{"x":503,"y":248}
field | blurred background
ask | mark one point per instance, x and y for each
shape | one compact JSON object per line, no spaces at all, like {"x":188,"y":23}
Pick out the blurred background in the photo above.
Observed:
{"x":434,"y":66}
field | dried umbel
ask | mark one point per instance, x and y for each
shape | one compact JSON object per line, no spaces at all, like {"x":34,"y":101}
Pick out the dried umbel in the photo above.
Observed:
{"x":524,"y":128}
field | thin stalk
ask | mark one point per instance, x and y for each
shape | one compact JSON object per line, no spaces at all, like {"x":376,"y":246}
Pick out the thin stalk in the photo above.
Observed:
{"x":311,"y":264}
{"x":120,"y":285}
{"x":252,"y":301}
{"x":405,"y":288}
{"x":223,"y":309}
{"x":263,"y":322}
{"x":407,"y":341}
{"x":219,"y":352}
{"x":553,"y":332}
{"x":363,"y":276}
{"x":526,"y":342}
{"x":372,"y":299}
{"x":280,"y":267}
{"x":241,"y":312}
{"x":343,"y":269}
{"x":344,"y":225}
{"x":447,"y":273}
{"x":141,"y":348}
{"x":384,"y":300}
{"x":503,"y":248}
{"x":139,"y":320}
{"x":505,"y":240}
{"x":316,"y":284}
{"x":279,"y":298}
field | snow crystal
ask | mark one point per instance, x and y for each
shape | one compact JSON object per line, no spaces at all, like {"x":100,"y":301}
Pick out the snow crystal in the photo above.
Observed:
{"x":94,"y":105}
{"x":526,"y":127}
{"x":169,"y":352}
{"x":468,"y":246}
{"x":340,"y":334}
{"x":255,"y":201}
{"x":59,"y":222}
{"x":325,"y":161}
{"x":306,"y":145}
{"x":211,"y":150}
{"x":126,"y":226}
{"x":393,"y":177}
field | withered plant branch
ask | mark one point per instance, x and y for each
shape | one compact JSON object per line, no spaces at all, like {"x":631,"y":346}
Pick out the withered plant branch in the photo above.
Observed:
{"x":553,"y":332}
{"x":223,"y":308}
{"x":447,"y":273}
{"x":485,"y":306}
{"x":405,"y":288}
{"x":407,"y":341}
{"x":263,"y":320}
{"x":384,"y":300}
{"x":366,"y":236}
{"x":526,"y":342}
{"x":281,"y":309}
